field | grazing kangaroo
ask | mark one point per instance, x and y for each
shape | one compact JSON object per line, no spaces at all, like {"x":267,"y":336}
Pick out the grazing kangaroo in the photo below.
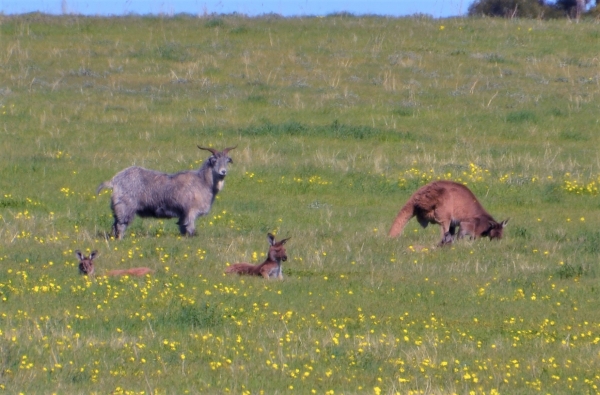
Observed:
{"x":86,"y":267}
{"x":270,"y":268}
{"x":448,"y":204}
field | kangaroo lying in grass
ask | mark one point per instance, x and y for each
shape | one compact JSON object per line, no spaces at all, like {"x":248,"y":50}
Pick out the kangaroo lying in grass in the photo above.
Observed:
{"x":448,"y":204}
{"x":270,"y":268}
{"x":86,"y":267}
{"x":135,"y":271}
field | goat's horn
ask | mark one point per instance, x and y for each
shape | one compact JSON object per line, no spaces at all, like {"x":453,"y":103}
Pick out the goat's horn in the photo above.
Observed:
{"x":226,"y":150}
{"x":212,"y":150}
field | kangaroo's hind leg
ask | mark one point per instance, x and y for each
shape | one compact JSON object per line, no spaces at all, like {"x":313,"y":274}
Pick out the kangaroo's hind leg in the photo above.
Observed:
{"x":448,"y":229}
{"x":447,"y":238}
{"x":451,"y":235}
{"x":467,"y":229}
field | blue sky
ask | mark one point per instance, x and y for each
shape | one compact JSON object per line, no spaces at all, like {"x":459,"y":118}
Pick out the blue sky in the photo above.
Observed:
{"x":436,"y":8}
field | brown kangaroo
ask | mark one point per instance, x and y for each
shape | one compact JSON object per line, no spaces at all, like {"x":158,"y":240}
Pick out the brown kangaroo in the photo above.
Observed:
{"x":86,"y":267}
{"x":86,"y":263}
{"x":136,"y":272}
{"x":270,"y":268}
{"x":448,"y":204}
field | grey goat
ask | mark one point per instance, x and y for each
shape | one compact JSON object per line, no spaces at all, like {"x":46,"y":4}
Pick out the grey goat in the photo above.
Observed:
{"x":185,"y":195}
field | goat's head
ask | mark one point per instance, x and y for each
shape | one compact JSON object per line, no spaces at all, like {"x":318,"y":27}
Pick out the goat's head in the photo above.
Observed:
{"x":219,"y":161}
{"x":277,"y":250}
{"x":86,"y":263}
{"x":495,"y":230}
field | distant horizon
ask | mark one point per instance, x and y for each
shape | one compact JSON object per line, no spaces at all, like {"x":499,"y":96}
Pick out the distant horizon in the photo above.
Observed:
{"x":389,"y":8}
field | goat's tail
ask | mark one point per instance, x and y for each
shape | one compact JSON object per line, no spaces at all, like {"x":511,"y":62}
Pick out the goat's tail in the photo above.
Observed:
{"x":404,"y":215}
{"x":241,"y":268}
{"x":104,"y":185}
{"x":136,"y":271}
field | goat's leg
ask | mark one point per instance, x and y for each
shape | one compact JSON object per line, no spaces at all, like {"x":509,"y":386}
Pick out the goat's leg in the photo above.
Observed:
{"x":187,"y":224}
{"x":122,"y":221}
{"x":119,"y":229}
{"x":115,"y":229}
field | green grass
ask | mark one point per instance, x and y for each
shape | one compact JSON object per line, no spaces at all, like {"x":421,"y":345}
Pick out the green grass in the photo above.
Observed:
{"x":337,"y":121}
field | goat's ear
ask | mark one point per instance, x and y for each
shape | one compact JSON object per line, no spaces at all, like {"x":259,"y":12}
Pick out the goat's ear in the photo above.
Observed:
{"x":79,"y":255}
{"x":271,"y":238}
{"x":504,"y":222}
{"x":93,"y":254}
{"x":212,"y":160}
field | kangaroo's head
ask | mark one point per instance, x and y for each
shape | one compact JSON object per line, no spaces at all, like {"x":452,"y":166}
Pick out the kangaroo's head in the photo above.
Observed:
{"x":495,"y":229}
{"x":277,"y":250}
{"x":219,"y":161}
{"x":86,"y":263}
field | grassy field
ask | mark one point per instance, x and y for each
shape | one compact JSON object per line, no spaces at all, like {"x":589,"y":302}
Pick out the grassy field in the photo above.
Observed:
{"x":337,"y":121}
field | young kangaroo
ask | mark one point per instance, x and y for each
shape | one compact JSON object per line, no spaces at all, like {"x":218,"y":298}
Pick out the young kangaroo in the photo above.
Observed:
{"x":86,"y":263}
{"x":448,"y":204}
{"x":136,"y":272}
{"x":270,"y":268}
{"x":86,"y":267}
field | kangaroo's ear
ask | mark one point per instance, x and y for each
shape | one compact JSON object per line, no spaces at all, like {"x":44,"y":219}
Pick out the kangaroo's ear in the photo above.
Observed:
{"x":79,"y":255}
{"x":93,"y":254}
{"x":271,"y":238}
{"x":504,"y":222}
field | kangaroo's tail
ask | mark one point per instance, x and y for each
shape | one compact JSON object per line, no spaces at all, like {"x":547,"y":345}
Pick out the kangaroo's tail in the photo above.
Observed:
{"x":105,"y":184}
{"x":241,"y":268}
{"x":404,"y":215}
{"x":136,"y":271}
